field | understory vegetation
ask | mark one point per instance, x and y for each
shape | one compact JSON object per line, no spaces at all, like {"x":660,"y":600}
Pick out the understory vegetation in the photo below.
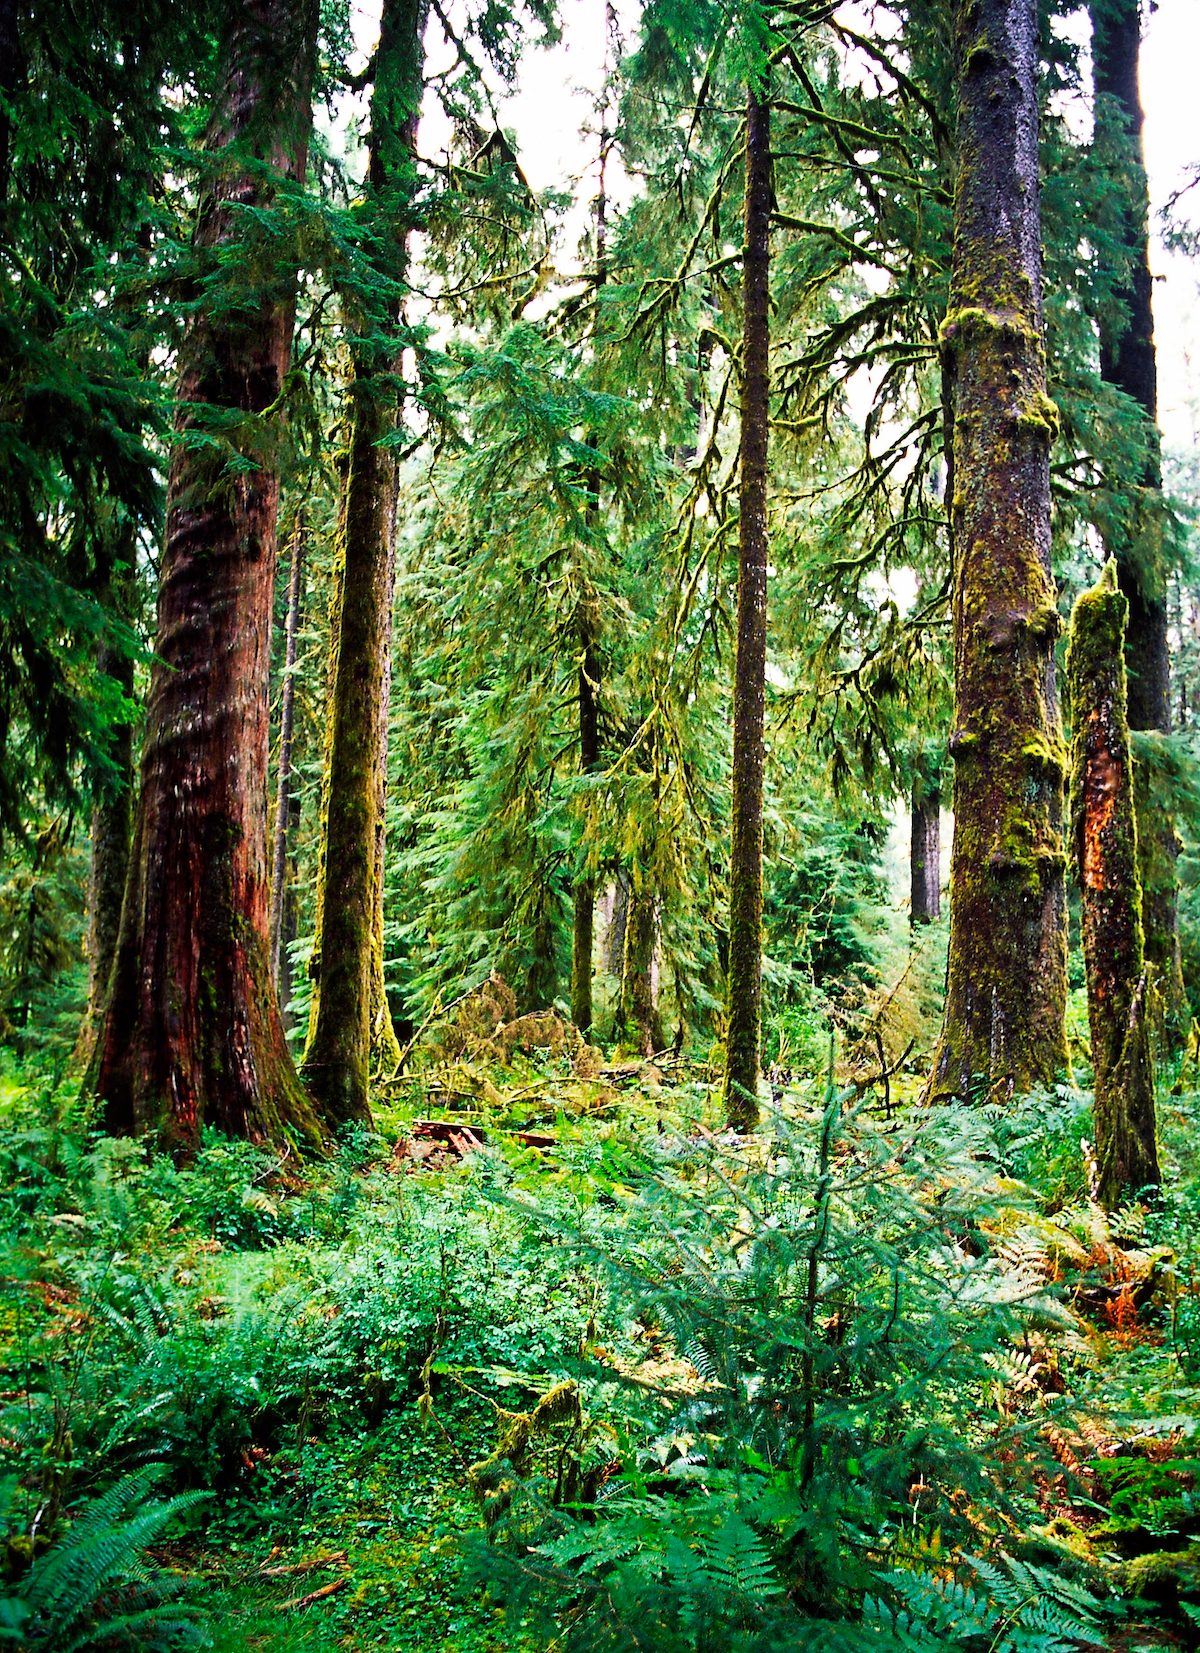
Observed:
{"x":567,"y":1365}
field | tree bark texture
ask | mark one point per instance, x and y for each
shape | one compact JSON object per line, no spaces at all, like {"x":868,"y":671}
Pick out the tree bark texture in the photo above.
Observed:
{"x":584,"y":915}
{"x":1104,"y":839}
{"x":385,"y":1053}
{"x":192,"y":1035}
{"x":1127,"y":360}
{"x":925,"y":853}
{"x":1006,"y":977}
{"x":347,"y":950}
{"x":285,"y":801}
{"x":640,"y":1023}
{"x":749,"y":686}
{"x":614,"y":940}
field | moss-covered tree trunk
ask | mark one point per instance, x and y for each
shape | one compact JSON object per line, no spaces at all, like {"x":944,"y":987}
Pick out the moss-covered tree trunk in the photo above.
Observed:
{"x":192,"y":1034}
{"x":1006,"y":979}
{"x":1127,"y":360}
{"x":1104,"y":839}
{"x":286,"y":796}
{"x":925,"y":852}
{"x":347,"y":947}
{"x":750,"y":667}
{"x":639,"y":1023}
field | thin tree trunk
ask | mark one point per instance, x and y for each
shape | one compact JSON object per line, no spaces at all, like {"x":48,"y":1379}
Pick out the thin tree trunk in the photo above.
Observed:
{"x":281,"y":970}
{"x":347,"y":951}
{"x":749,"y":686}
{"x":1127,"y":360}
{"x":640,"y":1024}
{"x":925,"y":853}
{"x":1006,"y":977}
{"x":385,"y":1054}
{"x":614,"y":941}
{"x":1104,"y":834}
{"x":192,"y":1034}
{"x":583,"y":928}
{"x":587,"y":620}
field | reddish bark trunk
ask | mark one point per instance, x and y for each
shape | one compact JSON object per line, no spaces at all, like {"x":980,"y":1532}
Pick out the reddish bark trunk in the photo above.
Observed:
{"x":192,"y":1035}
{"x":1105,"y":841}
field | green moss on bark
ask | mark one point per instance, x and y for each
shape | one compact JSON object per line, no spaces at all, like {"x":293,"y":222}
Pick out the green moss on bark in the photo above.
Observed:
{"x":1104,"y":838}
{"x":1006,"y":980}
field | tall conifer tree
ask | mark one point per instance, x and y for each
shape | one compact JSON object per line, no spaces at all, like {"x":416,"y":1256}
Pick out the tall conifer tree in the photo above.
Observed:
{"x":349,"y":935}
{"x":749,"y":688}
{"x":1134,"y":538}
{"x":1006,"y":981}
{"x":192,"y":1034}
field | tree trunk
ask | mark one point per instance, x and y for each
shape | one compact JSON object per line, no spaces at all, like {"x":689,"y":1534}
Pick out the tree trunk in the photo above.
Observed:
{"x":749,"y":684}
{"x":286,"y":806}
{"x":1127,"y":360}
{"x":583,"y":931}
{"x":1104,"y":836}
{"x":385,"y":1053}
{"x":640,"y":1024}
{"x":584,"y":894}
{"x":614,"y":941}
{"x":925,"y":853}
{"x":1006,"y":977}
{"x":347,"y":950}
{"x":192,"y":1034}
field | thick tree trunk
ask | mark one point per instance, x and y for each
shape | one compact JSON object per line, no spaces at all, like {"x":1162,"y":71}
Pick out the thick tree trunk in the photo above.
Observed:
{"x":347,"y":951}
{"x":925,"y":853}
{"x":1104,"y":838}
{"x":286,"y":804}
{"x":749,"y":687}
{"x":1127,"y":360}
{"x":192,"y":1034}
{"x":640,"y":1024}
{"x":1006,"y":979}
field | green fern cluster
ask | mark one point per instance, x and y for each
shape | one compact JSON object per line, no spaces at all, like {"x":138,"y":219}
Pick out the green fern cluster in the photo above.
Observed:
{"x":95,"y":1587}
{"x":830,"y":1443}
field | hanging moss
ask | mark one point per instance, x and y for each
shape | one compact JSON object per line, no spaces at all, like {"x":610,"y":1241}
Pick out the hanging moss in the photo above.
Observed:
{"x":494,"y":1478}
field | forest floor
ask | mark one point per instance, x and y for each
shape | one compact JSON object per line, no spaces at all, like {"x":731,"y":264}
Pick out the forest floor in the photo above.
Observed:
{"x":346,"y":1361}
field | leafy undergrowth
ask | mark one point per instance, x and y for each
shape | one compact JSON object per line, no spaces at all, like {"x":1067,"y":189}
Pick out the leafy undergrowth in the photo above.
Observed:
{"x":552,"y":1361}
